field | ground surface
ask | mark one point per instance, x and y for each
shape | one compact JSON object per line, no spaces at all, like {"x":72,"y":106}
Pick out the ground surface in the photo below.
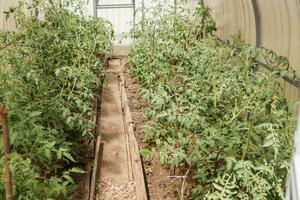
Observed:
{"x":162,"y":183}
{"x":120,"y":175}
{"x":116,"y":168}
{"x":114,"y":164}
{"x":121,"y":50}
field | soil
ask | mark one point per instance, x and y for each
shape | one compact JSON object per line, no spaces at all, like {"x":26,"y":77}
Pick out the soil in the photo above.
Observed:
{"x":163,"y":183}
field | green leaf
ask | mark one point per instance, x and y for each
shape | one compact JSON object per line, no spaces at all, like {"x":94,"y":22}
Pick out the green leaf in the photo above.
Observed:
{"x":35,"y":114}
{"x":67,"y":155}
{"x":77,"y":170}
{"x":268,"y":143}
{"x":68,"y":178}
{"x":147,"y":153}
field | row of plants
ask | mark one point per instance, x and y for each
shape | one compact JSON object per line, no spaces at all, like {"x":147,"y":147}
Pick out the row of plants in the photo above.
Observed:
{"x":50,"y":73}
{"x":212,"y":109}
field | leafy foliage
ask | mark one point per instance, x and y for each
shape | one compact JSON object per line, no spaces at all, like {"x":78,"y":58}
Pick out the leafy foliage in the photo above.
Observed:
{"x":210,"y":108}
{"x":50,"y":71}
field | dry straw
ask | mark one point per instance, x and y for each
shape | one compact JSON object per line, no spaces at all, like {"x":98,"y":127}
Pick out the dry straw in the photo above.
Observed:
{"x":108,"y":190}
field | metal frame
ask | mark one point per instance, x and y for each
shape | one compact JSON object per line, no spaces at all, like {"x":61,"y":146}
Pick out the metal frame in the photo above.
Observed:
{"x":257,"y":23}
{"x":114,"y":6}
{"x":110,"y":6}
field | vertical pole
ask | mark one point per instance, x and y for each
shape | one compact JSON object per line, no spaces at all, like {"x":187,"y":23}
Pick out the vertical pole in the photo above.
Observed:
{"x":174,"y":14}
{"x":143,"y":14}
{"x":36,"y":12}
{"x":60,"y":3}
{"x":95,"y":4}
{"x":6,"y":145}
{"x":257,"y":23}
{"x":134,"y":13}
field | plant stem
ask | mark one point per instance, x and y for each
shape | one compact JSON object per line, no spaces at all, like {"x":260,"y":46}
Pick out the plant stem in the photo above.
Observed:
{"x":247,"y":145}
{"x":6,"y":145}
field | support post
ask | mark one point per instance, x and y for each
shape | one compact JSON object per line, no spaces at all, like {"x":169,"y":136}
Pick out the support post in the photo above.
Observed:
{"x":143,"y":14}
{"x":95,"y":5}
{"x":6,"y":146}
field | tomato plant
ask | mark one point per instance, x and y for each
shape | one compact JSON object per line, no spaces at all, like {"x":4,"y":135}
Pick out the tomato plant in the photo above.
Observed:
{"x":210,"y":108}
{"x":50,"y":72}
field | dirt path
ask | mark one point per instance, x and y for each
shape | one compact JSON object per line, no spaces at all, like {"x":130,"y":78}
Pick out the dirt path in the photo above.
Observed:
{"x":120,"y":172}
{"x":114,"y":164}
{"x":120,"y":168}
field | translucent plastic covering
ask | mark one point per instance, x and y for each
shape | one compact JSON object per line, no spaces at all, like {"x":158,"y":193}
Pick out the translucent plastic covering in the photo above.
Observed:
{"x":274,"y":24}
{"x":6,"y":24}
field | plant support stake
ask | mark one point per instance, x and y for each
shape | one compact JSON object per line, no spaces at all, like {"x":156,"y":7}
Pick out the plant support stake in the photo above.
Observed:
{"x":6,"y":145}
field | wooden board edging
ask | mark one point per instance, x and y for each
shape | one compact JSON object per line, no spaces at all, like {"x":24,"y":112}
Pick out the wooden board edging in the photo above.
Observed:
{"x":136,"y":161}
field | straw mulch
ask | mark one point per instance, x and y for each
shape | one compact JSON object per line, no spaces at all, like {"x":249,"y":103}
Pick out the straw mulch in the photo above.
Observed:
{"x":108,"y":190}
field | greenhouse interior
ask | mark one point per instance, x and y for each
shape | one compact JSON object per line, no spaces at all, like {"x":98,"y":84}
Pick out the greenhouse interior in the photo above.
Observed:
{"x":149,"y":99}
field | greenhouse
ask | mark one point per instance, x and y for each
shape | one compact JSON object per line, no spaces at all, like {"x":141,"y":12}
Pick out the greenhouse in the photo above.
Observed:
{"x":149,"y":99}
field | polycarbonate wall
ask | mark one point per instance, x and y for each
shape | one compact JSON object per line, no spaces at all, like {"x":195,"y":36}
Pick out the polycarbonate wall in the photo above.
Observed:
{"x":9,"y":24}
{"x":274,"y":24}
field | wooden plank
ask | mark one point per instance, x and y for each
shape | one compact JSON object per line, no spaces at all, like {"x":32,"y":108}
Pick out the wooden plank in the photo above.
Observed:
{"x":86,"y":182}
{"x":95,"y":169}
{"x":136,"y":162}
{"x":126,"y":128}
{"x":138,"y":173}
{"x":126,"y":133}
